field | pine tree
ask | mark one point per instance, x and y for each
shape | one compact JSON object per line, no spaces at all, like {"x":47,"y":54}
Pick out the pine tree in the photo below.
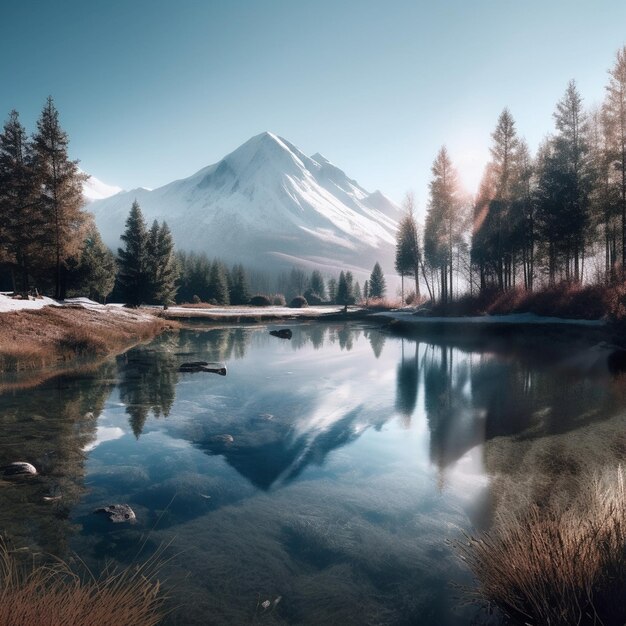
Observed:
{"x":239,"y":289}
{"x":332,"y":290}
{"x":61,"y":192}
{"x":358,"y":295}
{"x":218,"y":285}
{"x":21,"y":221}
{"x":133,"y":259}
{"x":409,"y":260}
{"x":377,"y":282}
{"x":615,"y":111}
{"x":162,"y":268}
{"x":316,"y":284}
{"x":343,"y":295}
{"x":96,"y":269}
{"x":366,"y":290}
{"x":497,"y":211}
{"x":444,"y":222}
{"x":572,"y":154}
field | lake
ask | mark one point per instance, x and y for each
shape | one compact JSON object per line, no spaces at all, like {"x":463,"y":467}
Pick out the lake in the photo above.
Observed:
{"x":329,"y":474}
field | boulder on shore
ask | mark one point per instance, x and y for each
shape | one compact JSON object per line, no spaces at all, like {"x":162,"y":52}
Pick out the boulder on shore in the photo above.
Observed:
{"x":204,"y":366}
{"x":19,"y":468}
{"x":283,"y":333}
{"x":118,"y":513}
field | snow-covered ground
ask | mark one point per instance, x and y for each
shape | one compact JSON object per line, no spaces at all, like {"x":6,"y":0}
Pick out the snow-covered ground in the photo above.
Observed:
{"x":252,"y":311}
{"x":8,"y":304}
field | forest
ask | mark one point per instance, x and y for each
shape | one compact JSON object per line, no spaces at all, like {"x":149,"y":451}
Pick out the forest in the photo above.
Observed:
{"x":556,"y":217}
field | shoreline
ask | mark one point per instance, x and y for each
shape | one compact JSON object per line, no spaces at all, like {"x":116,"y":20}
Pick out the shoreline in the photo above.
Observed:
{"x":39,"y":343}
{"x":46,"y":339}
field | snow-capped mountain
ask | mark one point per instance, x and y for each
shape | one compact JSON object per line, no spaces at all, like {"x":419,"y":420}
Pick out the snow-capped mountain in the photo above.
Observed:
{"x":267,"y":205}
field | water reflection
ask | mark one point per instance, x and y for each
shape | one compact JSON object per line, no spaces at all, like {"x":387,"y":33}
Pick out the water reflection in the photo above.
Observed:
{"x":334,"y":465}
{"x":147,"y":381}
{"x":51,"y":427}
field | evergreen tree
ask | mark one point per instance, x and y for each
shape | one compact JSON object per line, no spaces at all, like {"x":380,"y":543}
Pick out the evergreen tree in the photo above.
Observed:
{"x":218,"y":285}
{"x":572,"y":154}
{"x":377,"y":282}
{"x":358,"y":295}
{"x":239,"y":290}
{"x":95,"y":275}
{"x":162,"y":268}
{"x":316,"y":284}
{"x":21,"y":219}
{"x":332,"y":291}
{"x":343,"y":295}
{"x":494,"y":245}
{"x":133,"y":259}
{"x":615,"y":111}
{"x":409,"y":260}
{"x":366,"y":290}
{"x":61,"y":192}
{"x":444,"y":222}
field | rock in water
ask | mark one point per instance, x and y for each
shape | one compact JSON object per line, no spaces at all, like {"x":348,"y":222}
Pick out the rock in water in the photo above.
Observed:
{"x":19,"y":468}
{"x":203,"y":366}
{"x":118,"y":513}
{"x":225,"y":439}
{"x":283,"y":333}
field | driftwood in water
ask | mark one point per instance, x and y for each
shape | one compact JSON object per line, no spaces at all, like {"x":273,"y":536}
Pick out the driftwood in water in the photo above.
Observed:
{"x":283,"y":333}
{"x":203,"y":366}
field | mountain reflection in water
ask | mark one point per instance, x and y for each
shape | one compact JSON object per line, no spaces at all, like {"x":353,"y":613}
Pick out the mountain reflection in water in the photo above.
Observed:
{"x":328,"y":469}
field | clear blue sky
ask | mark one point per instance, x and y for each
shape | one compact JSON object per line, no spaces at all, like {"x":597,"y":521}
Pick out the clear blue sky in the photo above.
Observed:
{"x":150,"y":90}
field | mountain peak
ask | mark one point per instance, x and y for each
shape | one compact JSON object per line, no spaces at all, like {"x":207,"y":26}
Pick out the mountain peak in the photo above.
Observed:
{"x":266,"y":204}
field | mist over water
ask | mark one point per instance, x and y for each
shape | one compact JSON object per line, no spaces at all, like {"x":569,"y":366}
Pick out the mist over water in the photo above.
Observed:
{"x":329,"y":471}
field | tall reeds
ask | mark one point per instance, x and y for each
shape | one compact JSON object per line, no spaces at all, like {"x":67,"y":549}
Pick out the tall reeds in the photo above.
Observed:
{"x":52,"y":595}
{"x":561,"y":564}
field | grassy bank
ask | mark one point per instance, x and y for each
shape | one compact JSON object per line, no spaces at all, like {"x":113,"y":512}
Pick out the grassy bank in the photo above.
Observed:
{"x":572,"y":301}
{"x":52,"y":594}
{"x":31,"y":340}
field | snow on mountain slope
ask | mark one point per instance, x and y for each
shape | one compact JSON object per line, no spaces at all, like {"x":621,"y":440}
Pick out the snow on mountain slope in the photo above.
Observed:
{"x":266,"y":204}
{"x":95,"y":189}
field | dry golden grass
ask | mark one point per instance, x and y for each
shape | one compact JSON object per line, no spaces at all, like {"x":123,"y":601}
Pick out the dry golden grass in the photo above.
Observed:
{"x":52,"y":595}
{"x":42,"y":338}
{"x":380,"y":304}
{"x":558,"y":565}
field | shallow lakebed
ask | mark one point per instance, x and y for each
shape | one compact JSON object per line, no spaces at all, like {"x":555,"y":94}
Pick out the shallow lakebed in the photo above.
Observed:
{"x":326,"y":474}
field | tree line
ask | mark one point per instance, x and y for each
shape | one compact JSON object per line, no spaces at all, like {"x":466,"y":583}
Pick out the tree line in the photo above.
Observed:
{"x":558,"y":215}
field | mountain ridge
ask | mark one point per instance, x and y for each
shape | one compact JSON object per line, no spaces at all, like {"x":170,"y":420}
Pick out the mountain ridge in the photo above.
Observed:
{"x":263,"y":203}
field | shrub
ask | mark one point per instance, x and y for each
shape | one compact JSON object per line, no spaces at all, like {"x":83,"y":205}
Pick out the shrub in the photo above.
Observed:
{"x":260,"y":300}
{"x":299,"y":302}
{"x":279,"y":300}
{"x":312,"y":297}
{"x":196,"y":300}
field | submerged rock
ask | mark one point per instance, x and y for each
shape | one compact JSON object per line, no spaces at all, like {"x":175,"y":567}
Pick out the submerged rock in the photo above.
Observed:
{"x":283,"y":333}
{"x":118,"y":513}
{"x":225,"y":439}
{"x":204,"y":366}
{"x":19,"y":468}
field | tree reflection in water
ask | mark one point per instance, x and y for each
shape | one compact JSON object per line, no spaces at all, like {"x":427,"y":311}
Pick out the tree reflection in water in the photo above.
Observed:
{"x":50,"y":426}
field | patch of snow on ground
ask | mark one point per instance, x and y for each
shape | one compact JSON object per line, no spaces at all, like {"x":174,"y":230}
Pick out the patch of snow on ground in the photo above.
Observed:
{"x":8,"y":304}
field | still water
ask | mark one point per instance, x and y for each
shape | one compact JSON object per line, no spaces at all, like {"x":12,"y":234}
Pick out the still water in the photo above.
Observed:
{"x":329,"y":474}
